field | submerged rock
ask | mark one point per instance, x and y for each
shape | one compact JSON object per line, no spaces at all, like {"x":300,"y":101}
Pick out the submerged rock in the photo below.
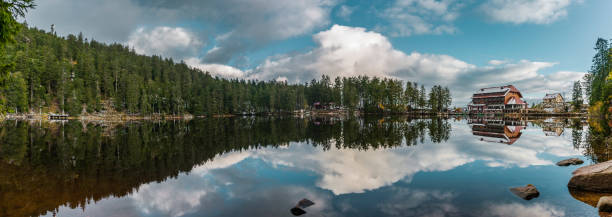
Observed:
{"x":304,"y":203}
{"x":597,"y":177}
{"x":571,"y":161}
{"x":588,"y":197}
{"x":527,"y":192}
{"x":298,"y":210}
{"x":605,"y":204}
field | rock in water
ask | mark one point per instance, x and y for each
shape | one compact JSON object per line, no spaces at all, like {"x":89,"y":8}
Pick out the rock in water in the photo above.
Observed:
{"x":588,"y":197}
{"x":596,"y":177}
{"x":571,"y":161}
{"x":304,"y":203}
{"x":605,"y":204}
{"x":298,"y":210}
{"x":527,"y":192}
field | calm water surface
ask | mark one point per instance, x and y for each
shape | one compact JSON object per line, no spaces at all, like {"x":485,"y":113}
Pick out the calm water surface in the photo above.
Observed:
{"x":392,"y":166}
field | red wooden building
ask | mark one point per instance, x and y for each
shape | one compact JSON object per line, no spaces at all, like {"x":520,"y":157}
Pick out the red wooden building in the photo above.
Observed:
{"x":504,"y":99}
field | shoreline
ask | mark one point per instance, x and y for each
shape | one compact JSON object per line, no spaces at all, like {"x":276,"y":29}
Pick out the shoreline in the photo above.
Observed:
{"x":121,"y":117}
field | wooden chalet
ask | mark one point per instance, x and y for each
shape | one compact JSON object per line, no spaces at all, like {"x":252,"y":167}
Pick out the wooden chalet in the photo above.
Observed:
{"x":504,"y":99}
{"x":553,"y":98}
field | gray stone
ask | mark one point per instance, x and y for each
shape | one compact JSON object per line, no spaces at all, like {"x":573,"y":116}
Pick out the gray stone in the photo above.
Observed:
{"x":527,"y":192}
{"x":571,"y":161}
{"x":596,"y":177}
{"x":298,"y":210}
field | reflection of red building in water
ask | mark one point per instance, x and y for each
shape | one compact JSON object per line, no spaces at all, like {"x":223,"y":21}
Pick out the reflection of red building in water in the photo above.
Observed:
{"x":498,"y":131}
{"x":497,"y":100}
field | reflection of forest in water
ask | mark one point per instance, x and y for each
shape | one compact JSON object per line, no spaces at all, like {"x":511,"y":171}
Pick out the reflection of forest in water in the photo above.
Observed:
{"x":593,"y":138}
{"x":46,"y":165}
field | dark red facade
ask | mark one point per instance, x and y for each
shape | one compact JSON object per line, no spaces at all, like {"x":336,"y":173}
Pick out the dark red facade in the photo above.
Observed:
{"x":504,"y":99}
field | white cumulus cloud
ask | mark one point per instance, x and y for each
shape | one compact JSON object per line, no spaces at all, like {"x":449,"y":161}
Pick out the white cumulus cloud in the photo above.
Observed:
{"x":219,"y":70}
{"x":173,"y":42}
{"x":352,"y":51}
{"x":526,"y":11}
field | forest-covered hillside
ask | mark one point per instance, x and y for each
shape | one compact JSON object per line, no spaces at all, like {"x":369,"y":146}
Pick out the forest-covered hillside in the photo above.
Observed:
{"x":599,"y":80}
{"x":45,"y":72}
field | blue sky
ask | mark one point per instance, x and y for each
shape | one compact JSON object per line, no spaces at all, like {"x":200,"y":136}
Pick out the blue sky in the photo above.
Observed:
{"x":540,"y":46}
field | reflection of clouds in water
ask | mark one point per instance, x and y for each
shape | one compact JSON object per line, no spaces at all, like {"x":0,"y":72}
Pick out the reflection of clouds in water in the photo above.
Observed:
{"x":409,"y":202}
{"x":556,"y":145}
{"x":345,"y":171}
{"x":186,"y":194}
{"x":523,"y":210}
{"x":174,"y":197}
{"x":221,"y":161}
{"x":354,"y":171}
{"x":209,"y":185}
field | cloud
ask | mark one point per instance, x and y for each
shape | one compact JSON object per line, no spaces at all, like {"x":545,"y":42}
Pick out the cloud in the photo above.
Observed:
{"x":173,"y":42}
{"x":526,"y":11}
{"x":352,"y":51}
{"x":252,"y":24}
{"x":497,"y":62}
{"x":107,"y":21}
{"x":523,"y":210}
{"x":345,"y":12}
{"x":415,"y":17}
{"x":242,"y":25}
{"x":220,"y":70}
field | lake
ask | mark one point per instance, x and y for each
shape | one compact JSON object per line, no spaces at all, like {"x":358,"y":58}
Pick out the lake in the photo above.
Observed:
{"x":247,"y":166}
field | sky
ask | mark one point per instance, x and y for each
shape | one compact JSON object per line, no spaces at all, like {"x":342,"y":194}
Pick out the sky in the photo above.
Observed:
{"x":540,"y":46}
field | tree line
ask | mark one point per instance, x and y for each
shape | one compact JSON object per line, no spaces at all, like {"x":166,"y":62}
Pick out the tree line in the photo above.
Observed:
{"x":49,"y":73}
{"x":598,"y":87}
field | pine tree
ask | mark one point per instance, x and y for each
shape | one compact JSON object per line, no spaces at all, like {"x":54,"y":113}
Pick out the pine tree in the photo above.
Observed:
{"x":577,"y":99}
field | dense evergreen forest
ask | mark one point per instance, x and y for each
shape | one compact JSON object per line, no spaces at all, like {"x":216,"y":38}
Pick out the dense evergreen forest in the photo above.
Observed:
{"x":75,"y":75}
{"x":598,"y":81}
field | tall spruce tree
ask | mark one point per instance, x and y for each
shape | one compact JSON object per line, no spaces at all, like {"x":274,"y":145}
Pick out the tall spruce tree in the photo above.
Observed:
{"x":577,"y":99}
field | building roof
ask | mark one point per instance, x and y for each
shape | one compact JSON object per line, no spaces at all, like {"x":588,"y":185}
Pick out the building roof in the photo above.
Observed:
{"x":516,"y":101}
{"x":502,"y":90}
{"x":552,"y":95}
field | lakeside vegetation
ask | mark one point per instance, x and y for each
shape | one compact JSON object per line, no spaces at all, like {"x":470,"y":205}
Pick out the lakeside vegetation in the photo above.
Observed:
{"x":598,"y":81}
{"x":598,"y":89}
{"x":45,"y":73}
{"x":75,"y":75}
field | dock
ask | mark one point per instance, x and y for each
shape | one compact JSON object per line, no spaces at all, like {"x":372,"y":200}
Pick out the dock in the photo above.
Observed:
{"x":58,"y":117}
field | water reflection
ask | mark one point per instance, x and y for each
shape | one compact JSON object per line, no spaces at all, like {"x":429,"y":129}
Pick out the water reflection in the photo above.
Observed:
{"x":46,"y":165}
{"x":393,"y":166}
{"x":497,"y":130}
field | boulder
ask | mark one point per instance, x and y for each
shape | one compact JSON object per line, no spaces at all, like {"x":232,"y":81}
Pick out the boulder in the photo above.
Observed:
{"x":527,"y":192}
{"x":605,"y":204}
{"x":596,"y":177}
{"x":588,"y":197}
{"x":298,"y":210}
{"x":571,"y":161}
{"x":605,"y":214}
